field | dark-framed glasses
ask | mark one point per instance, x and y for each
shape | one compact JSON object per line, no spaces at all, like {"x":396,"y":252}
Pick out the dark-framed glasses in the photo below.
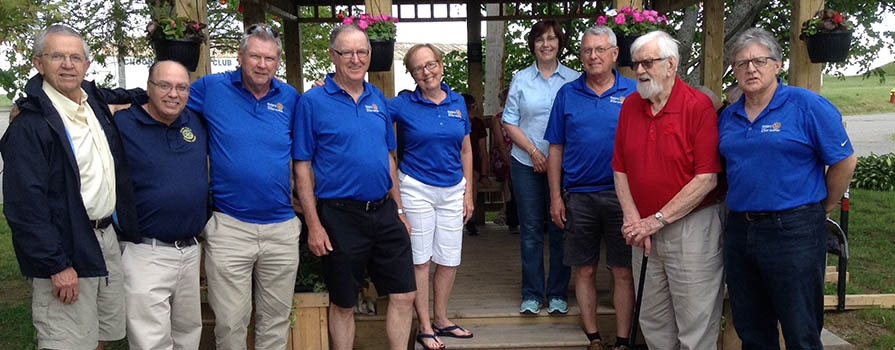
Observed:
{"x":57,"y":57}
{"x":647,"y":63}
{"x":346,"y":54}
{"x":587,"y":51}
{"x":758,"y":62}
{"x":429,"y":66}
{"x":255,"y":28}
{"x":166,"y":86}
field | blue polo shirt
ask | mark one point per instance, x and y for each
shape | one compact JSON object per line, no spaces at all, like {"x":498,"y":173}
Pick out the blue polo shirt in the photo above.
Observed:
{"x":250,"y":144}
{"x":777,"y":161}
{"x":584,"y":123}
{"x":430,"y":136}
{"x":169,"y":170}
{"x":346,"y":142}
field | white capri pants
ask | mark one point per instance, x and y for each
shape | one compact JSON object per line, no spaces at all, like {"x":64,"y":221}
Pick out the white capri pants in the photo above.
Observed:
{"x":436,"y":220}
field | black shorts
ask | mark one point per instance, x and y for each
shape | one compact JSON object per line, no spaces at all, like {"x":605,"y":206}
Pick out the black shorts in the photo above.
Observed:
{"x":590,"y":218}
{"x":373,"y":240}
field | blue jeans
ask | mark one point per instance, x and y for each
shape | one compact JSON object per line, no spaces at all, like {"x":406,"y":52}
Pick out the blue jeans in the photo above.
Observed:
{"x":531,"y":191}
{"x":775,"y":272}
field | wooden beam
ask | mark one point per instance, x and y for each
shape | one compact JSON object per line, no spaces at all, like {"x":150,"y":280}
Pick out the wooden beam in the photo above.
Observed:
{"x":637,"y":4}
{"x":802,"y":72}
{"x":385,"y":81}
{"x":292,"y":50}
{"x":196,"y":10}
{"x":861,"y":301}
{"x":713,"y":46}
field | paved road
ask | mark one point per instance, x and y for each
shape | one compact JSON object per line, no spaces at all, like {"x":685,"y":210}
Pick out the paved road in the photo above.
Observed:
{"x":869,"y":133}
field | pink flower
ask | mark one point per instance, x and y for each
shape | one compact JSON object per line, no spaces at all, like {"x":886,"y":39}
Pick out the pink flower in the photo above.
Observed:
{"x":173,"y":24}
{"x":601,"y":20}
{"x":196,"y":26}
{"x":638,"y":17}
{"x":377,"y":18}
{"x":662,"y":18}
{"x":651,"y":19}
{"x":627,"y":9}
{"x":363,"y":24}
{"x":348,"y":20}
{"x":651,"y":13}
{"x":620,"y":18}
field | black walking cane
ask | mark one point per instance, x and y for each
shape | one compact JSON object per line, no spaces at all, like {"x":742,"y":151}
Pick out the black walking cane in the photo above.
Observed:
{"x":635,"y":322}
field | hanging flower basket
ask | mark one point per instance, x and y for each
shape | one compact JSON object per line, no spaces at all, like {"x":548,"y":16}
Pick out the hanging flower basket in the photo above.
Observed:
{"x":382,"y":55}
{"x":624,"y":48}
{"x":183,"y":50}
{"x":829,"y":47}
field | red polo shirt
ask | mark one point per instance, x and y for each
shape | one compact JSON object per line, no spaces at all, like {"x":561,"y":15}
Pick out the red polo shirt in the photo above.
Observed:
{"x":661,"y":153}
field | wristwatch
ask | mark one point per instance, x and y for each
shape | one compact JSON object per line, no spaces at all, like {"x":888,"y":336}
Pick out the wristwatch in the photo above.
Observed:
{"x":659,"y":216}
{"x":400,"y":211}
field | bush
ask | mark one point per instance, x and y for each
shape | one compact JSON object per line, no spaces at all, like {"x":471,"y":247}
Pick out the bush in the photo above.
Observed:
{"x":875,"y":172}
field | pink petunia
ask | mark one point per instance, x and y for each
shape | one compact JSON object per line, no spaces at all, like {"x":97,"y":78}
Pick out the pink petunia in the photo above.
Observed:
{"x":651,"y":19}
{"x":196,"y":26}
{"x":620,"y":18}
{"x":637,"y":17}
{"x":348,"y":20}
{"x":601,"y":20}
{"x":173,"y":24}
{"x":377,"y":18}
{"x":662,"y":18}
{"x":651,"y":13}
{"x":363,"y":24}
{"x":627,"y":9}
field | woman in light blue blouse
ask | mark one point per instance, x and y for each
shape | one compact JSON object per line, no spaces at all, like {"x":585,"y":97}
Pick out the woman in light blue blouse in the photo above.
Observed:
{"x":435,"y":155}
{"x":525,"y":117}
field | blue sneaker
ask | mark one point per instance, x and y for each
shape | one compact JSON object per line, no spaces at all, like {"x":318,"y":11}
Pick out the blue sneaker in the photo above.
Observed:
{"x":531,"y":307}
{"x":558,"y":306}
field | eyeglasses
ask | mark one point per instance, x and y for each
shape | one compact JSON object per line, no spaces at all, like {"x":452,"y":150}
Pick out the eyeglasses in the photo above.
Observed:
{"x":166,"y":87}
{"x":588,"y":51}
{"x":647,"y":63}
{"x":263,"y":27}
{"x":542,"y":39}
{"x":57,"y":57}
{"x":346,"y":54}
{"x":429,"y":66}
{"x":758,"y":62}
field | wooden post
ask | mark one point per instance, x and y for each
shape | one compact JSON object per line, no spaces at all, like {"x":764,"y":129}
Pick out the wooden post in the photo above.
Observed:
{"x":252,"y":12}
{"x":617,"y":4}
{"x":474,"y":81}
{"x":196,"y":10}
{"x":496,"y":32}
{"x":385,"y":81}
{"x":292,"y":50}
{"x":713,"y":46}
{"x":802,"y":72}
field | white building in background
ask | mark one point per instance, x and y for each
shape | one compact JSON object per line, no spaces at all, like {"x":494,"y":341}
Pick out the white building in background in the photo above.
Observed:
{"x":137,"y":69}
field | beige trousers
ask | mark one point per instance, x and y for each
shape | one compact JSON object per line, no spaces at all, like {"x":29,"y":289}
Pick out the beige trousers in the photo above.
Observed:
{"x":238,"y":252}
{"x":163,"y":303}
{"x":682,"y":295}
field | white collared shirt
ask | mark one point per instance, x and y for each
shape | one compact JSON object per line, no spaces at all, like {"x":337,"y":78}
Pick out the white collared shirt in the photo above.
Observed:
{"x":95,"y":164}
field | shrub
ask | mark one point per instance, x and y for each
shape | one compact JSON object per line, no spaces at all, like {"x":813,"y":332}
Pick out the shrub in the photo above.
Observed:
{"x":875,"y":172}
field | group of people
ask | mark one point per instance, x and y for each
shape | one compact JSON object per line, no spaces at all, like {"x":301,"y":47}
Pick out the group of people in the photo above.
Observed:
{"x":386,"y":185}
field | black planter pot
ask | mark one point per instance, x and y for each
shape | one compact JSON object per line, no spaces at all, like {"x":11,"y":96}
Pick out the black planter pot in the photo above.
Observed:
{"x":624,"y":48}
{"x":382,"y":55}
{"x":185,"y":51}
{"x":829,"y":47}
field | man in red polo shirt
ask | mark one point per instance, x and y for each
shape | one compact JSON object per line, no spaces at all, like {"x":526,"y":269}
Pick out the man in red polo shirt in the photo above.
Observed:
{"x":665,"y":165}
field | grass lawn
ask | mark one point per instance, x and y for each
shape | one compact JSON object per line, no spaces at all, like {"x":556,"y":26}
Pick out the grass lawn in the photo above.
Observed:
{"x":855,"y":95}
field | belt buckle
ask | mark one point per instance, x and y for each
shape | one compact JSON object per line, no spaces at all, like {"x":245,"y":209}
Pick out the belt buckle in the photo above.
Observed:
{"x":177,"y":245}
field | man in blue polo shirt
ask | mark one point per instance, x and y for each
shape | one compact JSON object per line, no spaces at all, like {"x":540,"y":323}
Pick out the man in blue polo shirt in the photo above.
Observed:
{"x":581,"y":132}
{"x":254,"y":231}
{"x":343,"y":130}
{"x":166,"y":147}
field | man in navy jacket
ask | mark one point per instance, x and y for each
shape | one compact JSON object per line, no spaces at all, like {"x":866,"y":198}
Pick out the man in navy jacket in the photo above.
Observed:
{"x":64,"y":178}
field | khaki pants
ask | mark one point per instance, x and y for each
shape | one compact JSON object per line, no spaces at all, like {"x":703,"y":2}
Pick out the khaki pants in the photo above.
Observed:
{"x":97,"y":314}
{"x":682,"y":295}
{"x":235,"y":252}
{"x":163,"y":303}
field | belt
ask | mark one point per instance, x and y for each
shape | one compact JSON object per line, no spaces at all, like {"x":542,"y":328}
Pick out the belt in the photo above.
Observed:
{"x":179,"y":244}
{"x":759,"y":215}
{"x":101,"y":223}
{"x":356,"y":204}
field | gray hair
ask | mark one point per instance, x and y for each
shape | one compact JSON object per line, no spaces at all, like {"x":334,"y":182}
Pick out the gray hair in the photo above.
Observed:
{"x":755,"y":36}
{"x":343,"y":29}
{"x":668,"y":47}
{"x":40,"y":40}
{"x":263,"y":35}
{"x":602,"y":30}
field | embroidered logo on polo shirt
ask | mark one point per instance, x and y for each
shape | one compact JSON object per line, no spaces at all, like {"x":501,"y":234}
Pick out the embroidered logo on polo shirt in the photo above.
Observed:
{"x":455,"y":113}
{"x":771,"y":127}
{"x":187,"y":133}
{"x":275,"y":107}
{"x":371,"y":108}
{"x":619,"y":100}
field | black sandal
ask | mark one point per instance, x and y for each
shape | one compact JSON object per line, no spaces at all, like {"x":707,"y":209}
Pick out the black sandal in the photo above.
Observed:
{"x":447,"y":331}
{"x":419,"y":339}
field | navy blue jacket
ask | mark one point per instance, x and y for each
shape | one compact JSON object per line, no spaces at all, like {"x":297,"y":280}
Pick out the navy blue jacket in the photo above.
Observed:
{"x":41,"y":185}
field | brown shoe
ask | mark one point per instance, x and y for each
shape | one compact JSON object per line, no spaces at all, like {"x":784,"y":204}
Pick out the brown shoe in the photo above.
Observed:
{"x":596,"y":344}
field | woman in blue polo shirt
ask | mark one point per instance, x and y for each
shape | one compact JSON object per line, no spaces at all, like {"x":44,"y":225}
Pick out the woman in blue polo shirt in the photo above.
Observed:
{"x":435,"y":156}
{"x":525,"y":118}
{"x":777,"y":139}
